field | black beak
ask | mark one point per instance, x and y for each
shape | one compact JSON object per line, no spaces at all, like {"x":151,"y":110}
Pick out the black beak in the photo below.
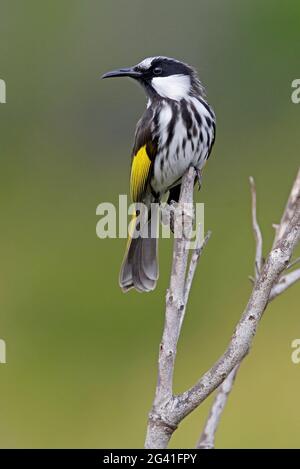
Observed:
{"x":123,"y":72}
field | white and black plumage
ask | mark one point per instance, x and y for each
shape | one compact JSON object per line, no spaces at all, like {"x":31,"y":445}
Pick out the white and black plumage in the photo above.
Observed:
{"x":176,"y":131}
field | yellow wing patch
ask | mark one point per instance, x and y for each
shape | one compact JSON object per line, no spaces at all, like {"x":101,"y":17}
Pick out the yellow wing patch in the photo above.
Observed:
{"x":139,"y":173}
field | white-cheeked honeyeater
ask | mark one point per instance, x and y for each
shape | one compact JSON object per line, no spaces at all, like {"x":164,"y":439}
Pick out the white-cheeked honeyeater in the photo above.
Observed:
{"x":176,"y":131}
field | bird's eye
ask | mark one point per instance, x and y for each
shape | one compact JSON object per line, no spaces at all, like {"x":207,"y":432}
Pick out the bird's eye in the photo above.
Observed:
{"x":157,"y":71}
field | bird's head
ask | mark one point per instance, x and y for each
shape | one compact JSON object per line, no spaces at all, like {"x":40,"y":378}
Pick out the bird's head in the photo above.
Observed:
{"x":163,"y":77}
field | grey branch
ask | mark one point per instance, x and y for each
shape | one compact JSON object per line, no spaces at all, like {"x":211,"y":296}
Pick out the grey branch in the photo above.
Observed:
{"x":290,"y":209}
{"x":200,"y":245}
{"x":284,"y":282}
{"x":256,"y":230}
{"x":161,"y":424}
{"x":293,"y":263}
{"x":169,"y":410}
{"x":207,"y":438}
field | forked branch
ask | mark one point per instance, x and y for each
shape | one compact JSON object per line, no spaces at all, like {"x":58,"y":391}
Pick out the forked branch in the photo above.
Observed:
{"x":207,"y":438}
{"x":169,"y":410}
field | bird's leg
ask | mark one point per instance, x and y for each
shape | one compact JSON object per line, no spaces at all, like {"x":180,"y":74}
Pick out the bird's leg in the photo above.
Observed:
{"x":172,"y":216}
{"x":168,"y":214}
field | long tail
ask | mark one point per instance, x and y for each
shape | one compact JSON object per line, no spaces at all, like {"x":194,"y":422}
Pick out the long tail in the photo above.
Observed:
{"x":140,"y":265}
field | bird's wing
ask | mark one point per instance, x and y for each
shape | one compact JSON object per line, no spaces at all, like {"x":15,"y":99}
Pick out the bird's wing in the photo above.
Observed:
{"x":144,"y":152}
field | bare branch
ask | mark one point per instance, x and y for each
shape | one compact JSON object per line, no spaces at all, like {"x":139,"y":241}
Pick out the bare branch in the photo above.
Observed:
{"x":284,"y":283}
{"x":293,"y":263}
{"x":289,"y":211}
{"x":168,"y":410}
{"x":200,"y":245}
{"x":194,"y":262}
{"x":160,"y":424}
{"x":207,"y":438}
{"x":208,"y":435}
{"x":256,"y":230}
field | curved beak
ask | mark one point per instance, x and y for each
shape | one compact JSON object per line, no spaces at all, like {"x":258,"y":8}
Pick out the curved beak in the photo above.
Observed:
{"x":123,"y":72}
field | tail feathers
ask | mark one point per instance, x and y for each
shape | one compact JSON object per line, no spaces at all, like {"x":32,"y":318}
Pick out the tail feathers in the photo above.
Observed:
{"x":140,"y":266}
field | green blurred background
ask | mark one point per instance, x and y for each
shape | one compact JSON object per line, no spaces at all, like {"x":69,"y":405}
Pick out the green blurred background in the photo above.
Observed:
{"x":81,"y":356}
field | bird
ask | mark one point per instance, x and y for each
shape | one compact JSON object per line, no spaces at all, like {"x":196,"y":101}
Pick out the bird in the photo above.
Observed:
{"x":176,"y":131}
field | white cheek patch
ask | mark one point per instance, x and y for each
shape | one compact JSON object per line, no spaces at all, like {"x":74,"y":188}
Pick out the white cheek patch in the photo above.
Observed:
{"x":172,"y":87}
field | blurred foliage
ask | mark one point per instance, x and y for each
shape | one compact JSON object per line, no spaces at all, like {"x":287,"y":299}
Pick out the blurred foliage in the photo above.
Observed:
{"x":81,"y":355}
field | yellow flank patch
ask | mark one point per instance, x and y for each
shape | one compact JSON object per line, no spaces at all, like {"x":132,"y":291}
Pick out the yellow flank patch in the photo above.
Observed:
{"x":139,"y":173}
